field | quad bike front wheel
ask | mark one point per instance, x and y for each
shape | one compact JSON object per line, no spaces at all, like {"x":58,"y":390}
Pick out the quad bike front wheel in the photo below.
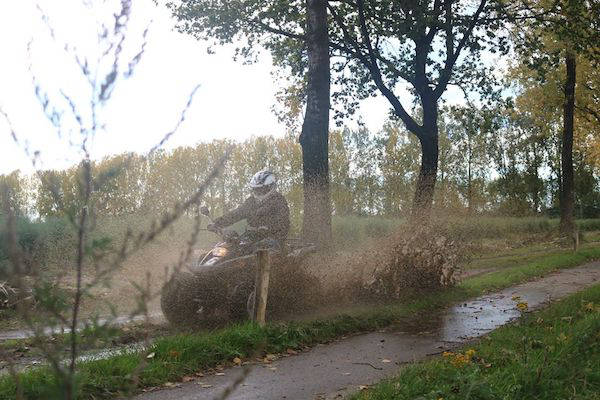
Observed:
{"x":209,"y":297}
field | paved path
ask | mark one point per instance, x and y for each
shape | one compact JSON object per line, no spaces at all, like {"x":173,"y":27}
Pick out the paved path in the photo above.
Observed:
{"x":333,"y":371}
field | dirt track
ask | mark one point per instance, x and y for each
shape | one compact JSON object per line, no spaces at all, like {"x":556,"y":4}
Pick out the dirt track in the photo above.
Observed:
{"x":334,"y":370}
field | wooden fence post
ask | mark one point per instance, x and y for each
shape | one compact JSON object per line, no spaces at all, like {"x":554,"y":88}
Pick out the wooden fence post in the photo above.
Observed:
{"x":263,"y":269}
{"x":575,"y":239}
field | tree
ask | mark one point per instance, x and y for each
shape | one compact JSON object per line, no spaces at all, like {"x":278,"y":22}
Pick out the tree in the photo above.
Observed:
{"x":306,"y":51}
{"x":316,"y":224}
{"x":376,"y":44}
{"x":562,"y":31}
{"x":16,"y":187}
{"x":469,"y":129}
{"x":420,"y":43}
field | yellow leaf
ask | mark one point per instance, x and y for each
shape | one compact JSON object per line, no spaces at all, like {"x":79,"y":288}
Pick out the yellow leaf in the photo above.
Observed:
{"x":522,"y":306}
{"x":237,"y":361}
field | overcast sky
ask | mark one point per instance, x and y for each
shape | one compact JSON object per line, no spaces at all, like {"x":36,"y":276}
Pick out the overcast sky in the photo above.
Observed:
{"x":234,"y":100}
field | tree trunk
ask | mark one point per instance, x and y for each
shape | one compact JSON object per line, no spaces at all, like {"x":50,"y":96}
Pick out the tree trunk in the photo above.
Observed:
{"x":567,"y":198}
{"x":314,"y":139}
{"x":469,"y":162}
{"x":429,"y":163}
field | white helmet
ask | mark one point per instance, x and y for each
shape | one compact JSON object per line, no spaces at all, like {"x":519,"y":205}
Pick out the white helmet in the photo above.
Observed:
{"x":262,"y":184}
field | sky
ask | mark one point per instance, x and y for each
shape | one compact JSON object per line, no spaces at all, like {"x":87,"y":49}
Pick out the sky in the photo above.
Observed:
{"x":233,"y":100}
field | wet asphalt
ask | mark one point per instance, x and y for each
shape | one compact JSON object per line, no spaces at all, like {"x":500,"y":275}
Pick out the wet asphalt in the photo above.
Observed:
{"x":335,"y":370}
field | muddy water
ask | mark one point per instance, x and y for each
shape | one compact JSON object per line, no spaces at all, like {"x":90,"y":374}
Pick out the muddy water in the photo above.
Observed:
{"x":117,"y":321}
{"x":334,"y":370}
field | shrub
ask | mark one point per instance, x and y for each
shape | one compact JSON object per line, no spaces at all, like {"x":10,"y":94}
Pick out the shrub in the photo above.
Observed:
{"x":40,"y":242}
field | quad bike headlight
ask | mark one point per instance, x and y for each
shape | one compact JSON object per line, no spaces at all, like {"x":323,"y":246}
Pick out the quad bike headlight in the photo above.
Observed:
{"x":219,"y":252}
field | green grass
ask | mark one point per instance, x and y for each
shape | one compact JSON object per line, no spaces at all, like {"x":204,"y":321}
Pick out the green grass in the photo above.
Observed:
{"x":533,"y":267}
{"x":181,"y":355}
{"x":550,"y":354}
{"x":351,"y":230}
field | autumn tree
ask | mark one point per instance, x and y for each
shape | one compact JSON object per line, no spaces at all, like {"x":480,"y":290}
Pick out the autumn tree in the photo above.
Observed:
{"x":16,"y":186}
{"x":469,"y":129}
{"x":561,"y":33}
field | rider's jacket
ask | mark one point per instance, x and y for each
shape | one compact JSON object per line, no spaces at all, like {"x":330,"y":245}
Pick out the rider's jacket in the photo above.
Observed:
{"x":271,"y":212}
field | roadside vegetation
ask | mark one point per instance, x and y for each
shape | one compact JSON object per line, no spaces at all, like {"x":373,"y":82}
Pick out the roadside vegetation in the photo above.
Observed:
{"x":549,"y":354}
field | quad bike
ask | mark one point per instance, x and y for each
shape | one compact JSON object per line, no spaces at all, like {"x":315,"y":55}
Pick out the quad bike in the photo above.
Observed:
{"x":218,"y":286}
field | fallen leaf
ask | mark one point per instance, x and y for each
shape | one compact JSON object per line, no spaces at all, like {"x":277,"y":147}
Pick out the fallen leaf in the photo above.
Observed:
{"x":271,"y":357}
{"x":220,"y":373}
{"x":237,"y":361}
{"x":385,"y":360}
{"x":363,"y":387}
{"x":187,"y":379}
{"x":151,"y":355}
{"x":199,"y":374}
{"x":291,"y":351}
{"x":516,"y":298}
{"x":522,"y":306}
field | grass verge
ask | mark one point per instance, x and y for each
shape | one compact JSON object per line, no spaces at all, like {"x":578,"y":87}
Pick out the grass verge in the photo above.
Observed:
{"x":177,"y":356}
{"x":549,"y":354}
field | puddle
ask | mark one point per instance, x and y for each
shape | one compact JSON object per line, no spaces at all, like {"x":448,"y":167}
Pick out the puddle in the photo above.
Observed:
{"x":106,"y":353}
{"x":57,"y":330}
{"x":22,"y":363}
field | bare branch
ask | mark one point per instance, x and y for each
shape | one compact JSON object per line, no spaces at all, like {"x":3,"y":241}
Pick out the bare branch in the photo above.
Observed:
{"x":450,"y":61}
{"x":181,"y":119}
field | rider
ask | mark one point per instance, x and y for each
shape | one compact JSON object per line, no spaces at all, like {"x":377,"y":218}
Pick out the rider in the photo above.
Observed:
{"x":266,"y":211}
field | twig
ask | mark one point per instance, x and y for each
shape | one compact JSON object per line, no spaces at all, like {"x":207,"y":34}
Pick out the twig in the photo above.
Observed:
{"x":368,"y":364}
